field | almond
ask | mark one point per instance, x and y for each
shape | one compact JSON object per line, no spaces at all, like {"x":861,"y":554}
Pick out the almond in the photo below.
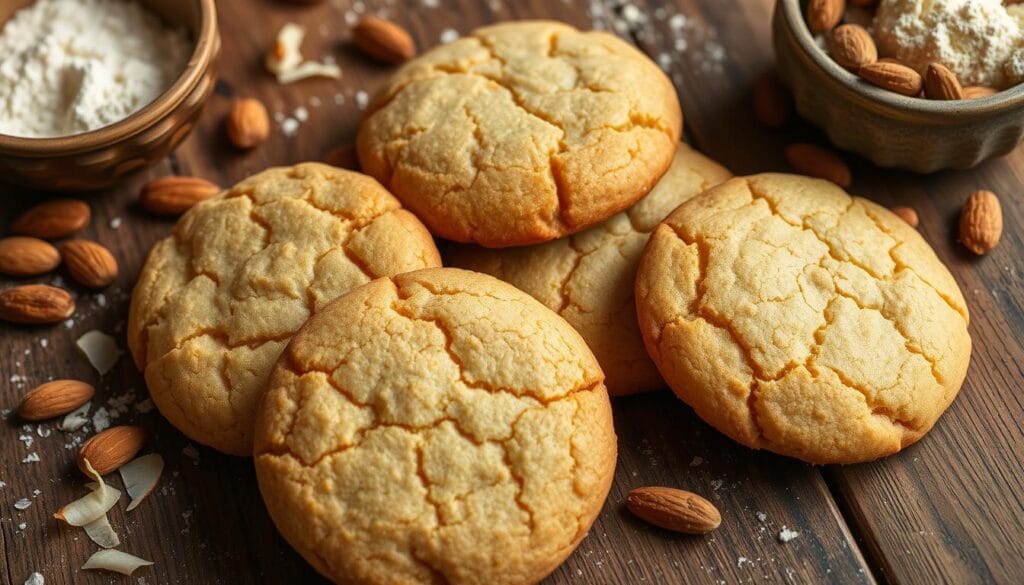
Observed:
{"x":907,"y":214}
{"x":24,"y":256}
{"x":111,"y":449}
{"x":343,"y":157}
{"x":175,"y":195}
{"x":54,"y":398}
{"x":941,"y":84}
{"x":981,"y":222}
{"x":35,"y":304}
{"x":89,"y":263}
{"x":247,"y":124}
{"x":383,"y":40}
{"x":673,"y":509}
{"x":815,"y":161}
{"x":893,"y":77}
{"x":823,"y":15}
{"x":53,"y":219}
{"x":852,"y":47}
{"x":974,"y":92}
{"x":772,"y":103}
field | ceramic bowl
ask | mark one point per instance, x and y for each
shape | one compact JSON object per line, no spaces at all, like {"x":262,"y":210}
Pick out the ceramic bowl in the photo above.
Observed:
{"x":99,"y":158}
{"x":889,"y":129}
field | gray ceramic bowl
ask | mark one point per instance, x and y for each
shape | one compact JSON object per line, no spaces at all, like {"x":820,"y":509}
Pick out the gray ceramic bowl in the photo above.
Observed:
{"x":890,"y":129}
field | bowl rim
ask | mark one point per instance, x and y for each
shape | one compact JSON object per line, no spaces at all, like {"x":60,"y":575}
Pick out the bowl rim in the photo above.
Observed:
{"x":204,"y":49}
{"x":872,"y":97}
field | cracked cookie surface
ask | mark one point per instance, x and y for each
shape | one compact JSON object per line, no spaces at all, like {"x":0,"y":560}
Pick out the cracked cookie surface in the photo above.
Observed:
{"x":796,"y":318}
{"x":522,"y":132}
{"x":216,"y":302}
{"x":587,"y":278}
{"x":439,"y":426}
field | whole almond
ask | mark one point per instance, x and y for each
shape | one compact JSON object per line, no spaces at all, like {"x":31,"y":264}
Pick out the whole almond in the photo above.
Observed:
{"x":53,"y":219}
{"x":907,"y":214}
{"x":35,"y":304}
{"x":772,"y":103}
{"x":852,"y":47}
{"x":383,"y":40}
{"x":815,"y":161}
{"x":247,"y":124}
{"x":111,"y":449}
{"x":175,"y":195}
{"x":824,"y":15}
{"x":54,"y":398}
{"x":981,"y":222}
{"x":893,"y":77}
{"x":941,"y":84}
{"x":974,"y":92}
{"x":25,"y":256}
{"x":89,"y":263}
{"x":673,"y":509}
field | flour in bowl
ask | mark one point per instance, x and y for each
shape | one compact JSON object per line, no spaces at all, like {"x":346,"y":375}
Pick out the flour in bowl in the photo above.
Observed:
{"x":70,"y":66}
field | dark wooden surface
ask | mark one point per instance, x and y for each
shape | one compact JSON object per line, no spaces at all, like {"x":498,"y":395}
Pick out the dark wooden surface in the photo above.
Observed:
{"x":950,"y":509}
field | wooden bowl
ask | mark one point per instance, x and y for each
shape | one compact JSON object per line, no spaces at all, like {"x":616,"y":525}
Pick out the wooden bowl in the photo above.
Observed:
{"x":99,"y":158}
{"x":890,"y":129}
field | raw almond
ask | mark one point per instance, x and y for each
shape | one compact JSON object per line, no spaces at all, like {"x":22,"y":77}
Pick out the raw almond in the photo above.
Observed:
{"x":823,"y":15}
{"x":89,"y":263}
{"x":343,"y":157}
{"x":941,"y":84}
{"x":974,"y":92}
{"x":175,"y":195}
{"x":893,"y":77}
{"x":981,"y":222}
{"x":772,"y":103}
{"x":907,"y":214}
{"x":852,"y":47}
{"x":248,"y":124}
{"x":673,"y":509}
{"x":111,"y":449}
{"x":25,"y":256}
{"x":35,"y":304}
{"x":53,"y":219}
{"x":54,"y":398}
{"x":383,"y":40}
{"x":815,"y":161}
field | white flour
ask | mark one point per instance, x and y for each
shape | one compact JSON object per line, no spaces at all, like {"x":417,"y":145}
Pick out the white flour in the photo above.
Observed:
{"x":70,"y":66}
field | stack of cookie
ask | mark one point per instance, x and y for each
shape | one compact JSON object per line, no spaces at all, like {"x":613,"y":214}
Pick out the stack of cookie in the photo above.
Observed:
{"x":419,"y":424}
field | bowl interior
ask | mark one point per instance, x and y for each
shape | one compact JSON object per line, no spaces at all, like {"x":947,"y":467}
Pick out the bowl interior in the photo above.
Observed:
{"x":186,"y":13}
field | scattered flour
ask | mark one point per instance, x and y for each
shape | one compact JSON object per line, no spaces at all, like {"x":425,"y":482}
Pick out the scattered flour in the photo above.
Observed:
{"x":786,"y":535}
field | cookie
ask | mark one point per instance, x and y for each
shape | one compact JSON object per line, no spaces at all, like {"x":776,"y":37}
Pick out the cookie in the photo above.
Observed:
{"x":795,"y":318}
{"x":217,"y":301}
{"x":521,"y":132}
{"x":588,"y":278}
{"x":440,"y":426}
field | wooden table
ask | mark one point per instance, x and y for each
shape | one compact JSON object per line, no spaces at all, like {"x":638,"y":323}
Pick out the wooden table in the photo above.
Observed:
{"x":950,"y":509}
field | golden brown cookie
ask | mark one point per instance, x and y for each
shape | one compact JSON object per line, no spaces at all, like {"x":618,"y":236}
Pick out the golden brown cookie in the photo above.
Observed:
{"x":795,"y":318}
{"x":522,"y":132}
{"x":217,"y":301}
{"x":588,"y":277}
{"x":440,"y":426}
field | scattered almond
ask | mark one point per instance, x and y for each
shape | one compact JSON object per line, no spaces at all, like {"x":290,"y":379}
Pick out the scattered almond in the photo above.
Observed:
{"x":981,"y":222}
{"x":772,"y":103}
{"x":247,"y":124}
{"x":343,"y":157}
{"x":25,"y":256}
{"x":673,"y":509}
{"x":852,"y":47}
{"x":53,"y":219}
{"x":907,"y":214}
{"x":35,"y":304}
{"x":111,"y":449}
{"x":975,"y":92}
{"x":815,"y":161}
{"x":54,"y":398}
{"x":824,"y":15}
{"x":383,"y":40}
{"x":893,"y":77}
{"x":175,"y":195}
{"x":941,"y":84}
{"x":89,"y":263}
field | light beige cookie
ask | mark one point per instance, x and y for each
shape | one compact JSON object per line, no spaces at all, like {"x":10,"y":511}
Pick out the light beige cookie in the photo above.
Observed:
{"x":522,"y":132}
{"x":440,"y":426}
{"x":795,"y":318}
{"x":588,"y":278}
{"x":217,"y":301}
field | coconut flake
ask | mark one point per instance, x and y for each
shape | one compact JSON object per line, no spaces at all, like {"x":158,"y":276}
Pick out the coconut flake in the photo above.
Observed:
{"x":307,"y":70}
{"x":102,"y":533}
{"x":285,"y":59}
{"x":92,"y":506}
{"x":140,"y":476}
{"x":75,"y":419}
{"x":116,"y":561}
{"x":100,"y":349}
{"x":35,"y":579}
{"x":22,"y":504}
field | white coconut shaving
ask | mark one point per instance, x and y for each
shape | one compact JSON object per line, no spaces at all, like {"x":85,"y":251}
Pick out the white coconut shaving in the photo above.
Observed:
{"x":100,"y":349}
{"x":140,"y":477}
{"x":91,"y":506}
{"x":116,"y":561}
{"x":285,"y":60}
